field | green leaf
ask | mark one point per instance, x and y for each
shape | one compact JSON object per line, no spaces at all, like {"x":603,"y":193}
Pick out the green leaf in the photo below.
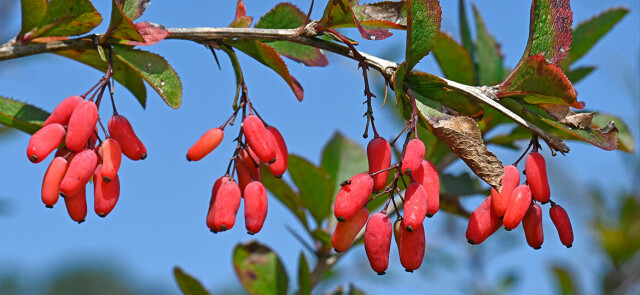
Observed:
{"x":465,"y":31}
{"x":355,"y":291}
{"x":587,"y":33}
{"x":625,"y":139}
{"x":316,"y":191}
{"x":33,"y":12}
{"x":133,"y":9}
{"x":125,"y":75}
{"x":270,"y":58}
{"x":259,"y":269}
{"x":324,"y":237}
{"x":283,"y":192}
{"x":188,"y":285}
{"x":68,"y":18}
{"x":489,"y":58}
{"x":339,"y":14}
{"x":398,"y":82}
{"x":454,"y":60}
{"x":343,"y":158}
{"x":120,"y":26}
{"x":21,"y":116}
{"x":304,"y":276}
{"x":549,"y":30}
{"x":579,"y":73}
{"x":150,"y":32}
{"x":564,"y":281}
{"x":431,"y":87}
{"x":461,"y":185}
{"x":156,"y":71}
{"x":423,"y":27}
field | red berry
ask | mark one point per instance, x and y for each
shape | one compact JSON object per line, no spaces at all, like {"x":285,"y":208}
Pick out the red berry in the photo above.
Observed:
{"x":246,"y":169}
{"x":427,"y":175}
{"x":82,"y":123}
{"x":346,"y":232}
{"x":413,"y":156}
{"x":80,"y":170}
{"x":352,"y":196}
{"x":52,"y":179}
{"x":282,"y":154}
{"x":411,"y":247}
{"x":259,"y":139}
{"x":77,"y":205}
{"x":105,"y":194}
{"x":255,"y":206}
{"x":532,"y":224}
{"x":120,"y":129}
{"x":62,"y":112}
{"x":415,"y":206}
{"x":44,"y":141}
{"x":482,"y":223}
{"x":377,"y":241}
{"x":226,"y":205}
{"x":379,"y":156}
{"x":214,"y":191}
{"x":205,"y":145}
{"x":561,"y":220}
{"x":510,"y":181}
{"x":111,"y":158}
{"x":517,"y":207}
{"x":536,"y":172}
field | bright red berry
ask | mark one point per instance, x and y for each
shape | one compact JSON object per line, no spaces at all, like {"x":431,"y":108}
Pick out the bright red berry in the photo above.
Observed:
{"x":77,"y":205}
{"x":247,"y":168}
{"x":377,"y":241}
{"x":208,"y":142}
{"x":427,"y":175}
{"x":282,"y":154}
{"x":259,"y":139}
{"x":413,"y":156}
{"x":62,"y":112}
{"x":536,"y":172}
{"x":415,"y":206}
{"x":411,"y":247}
{"x":44,"y":141}
{"x":561,"y":220}
{"x":517,"y":207}
{"x":214,"y":192}
{"x":82,"y":123}
{"x":532,"y":224}
{"x":51,"y":181}
{"x":120,"y":129}
{"x":379,"y":156}
{"x":80,"y":170}
{"x":226,"y":205}
{"x":352,"y":196}
{"x":346,"y":232}
{"x":510,"y":181}
{"x":482,"y":223}
{"x":111,"y":158}
{"x":105,"y":194}
{"x":255,"y":206}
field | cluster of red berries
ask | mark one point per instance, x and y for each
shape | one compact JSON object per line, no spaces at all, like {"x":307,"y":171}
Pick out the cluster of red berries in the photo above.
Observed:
{"x":71,"y":128}
{"x":519,"y":203}
{"x":262,"y":144}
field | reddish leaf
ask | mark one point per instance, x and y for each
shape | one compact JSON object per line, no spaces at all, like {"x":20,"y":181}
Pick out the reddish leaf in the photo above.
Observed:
{"x":388,"y":14}
{"x":151,"y":33}
{"x":338,"y":14}
{"x":241,"y":20}
{"x":423,"y":27}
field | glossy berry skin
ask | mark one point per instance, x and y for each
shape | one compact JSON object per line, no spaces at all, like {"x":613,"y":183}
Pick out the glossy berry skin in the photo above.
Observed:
{"x":246,"y":169}
{"x":379,"y":156}
{"x":208,"y":142}
{"x":377,"y":241}
{"x":532,"y":224}
{"x":210,"y":211}
{"x":413,"y":156}
{"x":82,"y":123}
{"x":411,"y":247}
{"x":259,"y":139}
{"x":77,"y":205}
{"x":255,"y":207}
{"x":51,"y":181}
{"x":517,"y":207}
{"x":427,"y":175}
{"x":105,"y":194}
{"x":482,"y":223}
{"x":561,"y":220}
{"x":111,"y":158}
{"x":282,"y":154}
{"x":415,"y":206}
{"x":62,"y":112}
{"x":80,"y":170}
{"x":120,"y":129}
{"x":44,"y":141}
{"x":225,"y":206}
{"x":346,"y":232}
{"x":536,"y":171}
{"x":352,"y":196}
{"x":510,"y":181}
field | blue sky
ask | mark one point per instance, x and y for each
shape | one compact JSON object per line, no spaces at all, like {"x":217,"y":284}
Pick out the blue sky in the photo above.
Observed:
{"x":159,"y":220}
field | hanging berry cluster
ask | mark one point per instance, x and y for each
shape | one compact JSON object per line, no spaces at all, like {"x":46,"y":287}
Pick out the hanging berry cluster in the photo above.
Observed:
{"x":257,"y":143}
{"x":519,"y":203}
{"x":81,"y":154}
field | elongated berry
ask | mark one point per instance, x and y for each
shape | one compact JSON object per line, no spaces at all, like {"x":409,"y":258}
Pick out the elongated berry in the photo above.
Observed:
{"x":105,"y":194}
{"x":77,"y":205}
{"x":282,"y":154}
{"x":346,"y":232}
{"x":482,"y":223}
{"x":517,"y":207}
{"x":536,"y":172}
{"x":80,"y":170}
{"x":396,"y":231}
{"x":259,"y":139}
{"x":352,"y":196}
{"x":377,"y":241}
{"x":379,"y":156}
{"x":246,"y":169}
{"x":51,"y":181}
{"x":413,"y":156}
{"x":411,"y":247}
{"x":44,"y":141}
{"x":255,"y":207}
{"x":82,"y":123}
{"x":208,"y":142}
{"x":111,"y":158}
{"x":226,"y":205}
{"x":210,"y":211}
{"x":62,"y":112}
{"x":532,"y":224}
{"x":510,"y":181}
{"x":561,"y":220}
{"x":427,"y":175}
{"x":415,"y":206}
{"x":120,"y":129}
